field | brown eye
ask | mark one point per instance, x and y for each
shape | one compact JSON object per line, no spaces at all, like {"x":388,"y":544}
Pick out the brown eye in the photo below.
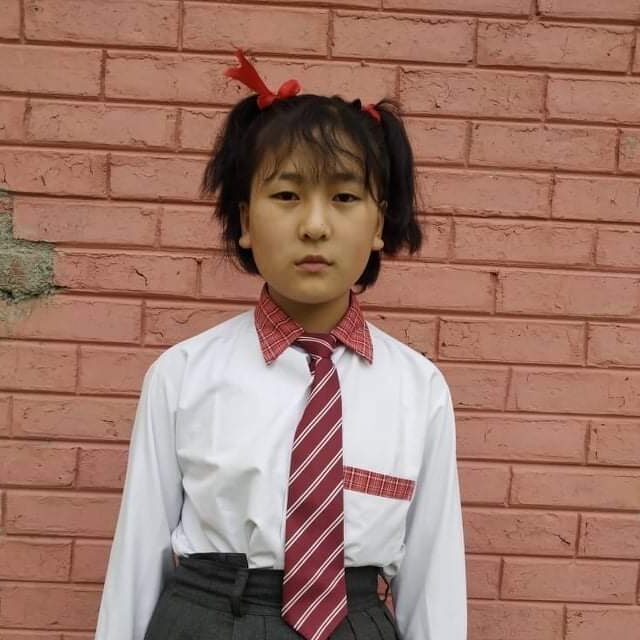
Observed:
{"x":287,"y":196}
{"x":347,"y":197}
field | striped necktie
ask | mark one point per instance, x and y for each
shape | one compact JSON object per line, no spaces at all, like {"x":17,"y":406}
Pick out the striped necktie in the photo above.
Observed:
{"x":314,"y":591}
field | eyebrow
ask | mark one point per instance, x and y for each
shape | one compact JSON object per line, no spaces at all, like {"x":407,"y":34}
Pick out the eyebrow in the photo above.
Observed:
{"x":340,"y":176}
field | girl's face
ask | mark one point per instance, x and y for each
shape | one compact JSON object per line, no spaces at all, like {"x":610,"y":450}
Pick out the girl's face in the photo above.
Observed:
{"x":291,"y":216}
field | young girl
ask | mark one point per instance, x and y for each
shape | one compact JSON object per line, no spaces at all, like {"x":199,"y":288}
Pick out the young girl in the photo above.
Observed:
{"x":292,"y":454}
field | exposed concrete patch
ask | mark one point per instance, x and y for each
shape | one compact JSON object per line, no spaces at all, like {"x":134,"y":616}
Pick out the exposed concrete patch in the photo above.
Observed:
{"x":26,"y":267}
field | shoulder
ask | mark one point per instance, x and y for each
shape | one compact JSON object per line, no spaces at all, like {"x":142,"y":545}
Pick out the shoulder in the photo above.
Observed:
{"x":210,"y":343}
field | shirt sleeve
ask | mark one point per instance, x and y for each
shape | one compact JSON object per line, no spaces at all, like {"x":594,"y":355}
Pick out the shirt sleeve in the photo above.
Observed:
{"x":430,"y":588}
{"x":141,"y":555}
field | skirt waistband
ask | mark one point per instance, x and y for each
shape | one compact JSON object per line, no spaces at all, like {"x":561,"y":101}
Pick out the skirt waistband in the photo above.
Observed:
{"x":223,"y":580}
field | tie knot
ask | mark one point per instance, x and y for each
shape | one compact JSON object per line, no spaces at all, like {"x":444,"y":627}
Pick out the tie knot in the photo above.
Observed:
{"x":320,"y":345}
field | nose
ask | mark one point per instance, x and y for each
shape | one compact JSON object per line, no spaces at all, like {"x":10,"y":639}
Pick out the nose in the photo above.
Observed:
{"x":314,"y":223}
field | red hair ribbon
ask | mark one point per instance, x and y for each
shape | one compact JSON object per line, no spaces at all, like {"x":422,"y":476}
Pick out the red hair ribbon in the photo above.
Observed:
{"x":372,"y":111}
{"x":247,"y":74}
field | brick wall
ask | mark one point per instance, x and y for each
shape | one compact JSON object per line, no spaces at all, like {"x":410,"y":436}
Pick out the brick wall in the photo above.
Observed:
{"x":525,"y":117}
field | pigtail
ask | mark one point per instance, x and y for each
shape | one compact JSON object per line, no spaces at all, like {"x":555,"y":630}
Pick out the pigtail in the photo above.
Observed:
{"x":223,"y":174}
{"x":401,"y":225}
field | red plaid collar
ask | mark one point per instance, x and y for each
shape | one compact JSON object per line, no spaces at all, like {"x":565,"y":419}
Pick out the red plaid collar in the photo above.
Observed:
{"x":277,"y":331}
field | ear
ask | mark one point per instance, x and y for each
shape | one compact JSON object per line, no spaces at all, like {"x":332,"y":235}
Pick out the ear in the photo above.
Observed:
{"x":245,"y":239}
{"x":378,"y":242}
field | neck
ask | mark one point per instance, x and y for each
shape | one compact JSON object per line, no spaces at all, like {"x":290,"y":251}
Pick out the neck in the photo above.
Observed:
{"x":313,"y":318}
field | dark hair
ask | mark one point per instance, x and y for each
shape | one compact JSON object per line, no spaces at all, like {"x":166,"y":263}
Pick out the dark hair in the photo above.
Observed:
{"x":317,"y":123}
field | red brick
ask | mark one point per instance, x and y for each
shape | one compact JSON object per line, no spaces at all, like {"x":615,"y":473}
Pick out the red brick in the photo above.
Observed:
{"x":543,"y":147}
{"x":10,"y":20}
{"x":476,"y":387}
{"x":190,"y":228}
{"x":57,"y":513}
{"x":568,"y":294}
{"x":431,"y":286}
{"x":71,"y":72}
{"x":37,"y":464}
{"x":126,"y":272}
{"x":609,"y":199}
{"x":610,"y":536}
{"x":417,"y":332}
{"x":615,"y":443}
{"x":219,"y":27}
{"x":618,"y":248}
{"x":432,"y":140}
{"x":483,"y":576}
{"x":42,"y":606}
{"x":493,"y":620}
{"x":630,"y":151}
{"x":612,"y":10}
{"x":129,"y":23}
{"x":515,"y":341}
{"x":199,"y":79}
{"x":34,"y":559}
{"x":101,"y":467}
{"x":436,"y":232}
{"x":482,"y":483}
{"x":611,"y":100}
{"x":529,"y":439}
{"x":167,"y":324}
{"x":199,"y":128}
{"x":222,"y":281}
{"x":62,"y":173}
{"x":102,"y":124}
{"x":468,"y":93}
{"x":73,"y":418}
{"x":592,"y":623}
{"x":5,"y":417}
{"x":484,"y":194}
{"x":369,"y":82}
{"x":514,"y":531}
{"x":403,"y":37}
{"x":577,"y":391}
{"x":611,"y":344}
{"x":84,"y":222}
{"x":577,"y":488}
{"x":112,"y":370}
{"x":90,"y":558}
{"x":515,"y":7}
{"x":38,"y":367}
{"x":37,"y":635}
{"x":569,"y":580}
{"x":12,"y":112}
{"x":540,"y":44}
{"x":521,"y":242}
{"x":69,"y":318}
{"x":168,"y":77}
{"x":156,"y":177}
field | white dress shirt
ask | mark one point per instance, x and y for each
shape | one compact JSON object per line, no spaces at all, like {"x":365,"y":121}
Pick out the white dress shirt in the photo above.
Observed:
{"x":208,"y":471}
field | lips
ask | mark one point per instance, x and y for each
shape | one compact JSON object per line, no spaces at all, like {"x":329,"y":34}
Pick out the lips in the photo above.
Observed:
{"x":313,"y":259}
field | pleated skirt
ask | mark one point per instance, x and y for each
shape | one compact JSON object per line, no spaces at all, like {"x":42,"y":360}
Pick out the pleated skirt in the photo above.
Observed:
{"x":214,"y":596}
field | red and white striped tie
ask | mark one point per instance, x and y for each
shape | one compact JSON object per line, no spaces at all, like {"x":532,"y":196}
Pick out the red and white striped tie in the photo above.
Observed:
{"x":314,"y":592}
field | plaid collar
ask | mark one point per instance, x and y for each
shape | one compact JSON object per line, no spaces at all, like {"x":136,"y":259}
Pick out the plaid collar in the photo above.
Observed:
{"x":277,"y":331}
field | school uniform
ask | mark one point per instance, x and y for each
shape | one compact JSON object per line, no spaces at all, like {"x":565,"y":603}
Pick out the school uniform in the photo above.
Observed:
{"x":207,"y":481}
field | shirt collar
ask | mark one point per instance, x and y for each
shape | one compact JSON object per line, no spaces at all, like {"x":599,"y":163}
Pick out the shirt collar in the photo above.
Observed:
{"x":277,"y":331}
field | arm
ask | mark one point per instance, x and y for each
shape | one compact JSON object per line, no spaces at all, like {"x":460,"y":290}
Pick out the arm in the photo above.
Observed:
{"x":430,"y":588}
{"x":141,"y":555}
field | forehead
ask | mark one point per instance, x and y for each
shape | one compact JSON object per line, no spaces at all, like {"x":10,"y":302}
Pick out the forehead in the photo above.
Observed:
{"x":312,"y":163}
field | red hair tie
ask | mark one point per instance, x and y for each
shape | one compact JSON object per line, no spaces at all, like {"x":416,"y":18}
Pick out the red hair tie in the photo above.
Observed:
{"x":247,"y":74}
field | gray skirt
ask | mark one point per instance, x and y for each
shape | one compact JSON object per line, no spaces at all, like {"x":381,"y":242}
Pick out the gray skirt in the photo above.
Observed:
{"x":214,"y":596}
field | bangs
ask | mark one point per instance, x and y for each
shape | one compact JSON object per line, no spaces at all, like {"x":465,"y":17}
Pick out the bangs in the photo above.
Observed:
{"x":319,"y":140}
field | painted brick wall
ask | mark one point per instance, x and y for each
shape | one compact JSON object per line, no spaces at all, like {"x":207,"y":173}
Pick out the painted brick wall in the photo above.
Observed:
{"x":525,"y":118}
